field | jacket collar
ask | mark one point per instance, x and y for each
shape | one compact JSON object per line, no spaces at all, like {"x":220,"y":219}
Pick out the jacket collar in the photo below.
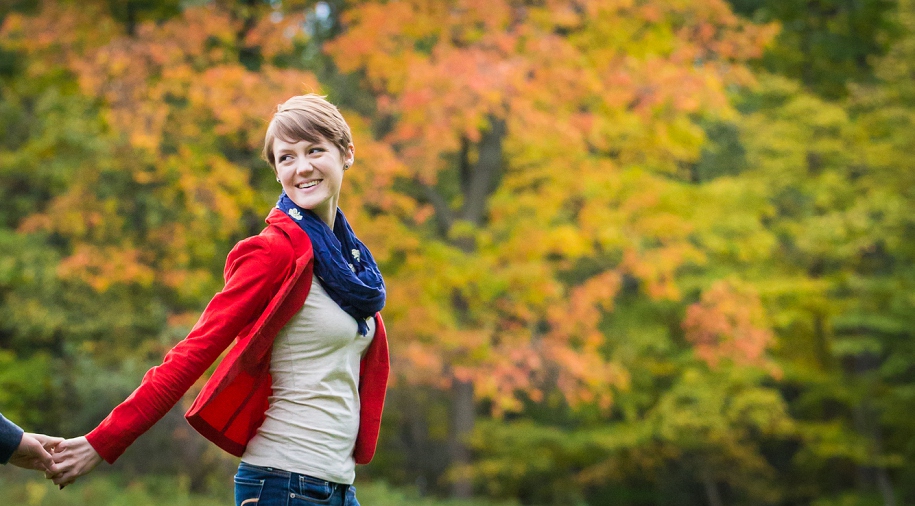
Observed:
{"x":301,"y":244}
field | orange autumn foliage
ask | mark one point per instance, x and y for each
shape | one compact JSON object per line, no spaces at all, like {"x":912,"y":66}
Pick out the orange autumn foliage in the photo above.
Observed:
{"x":170,"y":90}
{"x":598,"y":102}
{"x":729,"y":324}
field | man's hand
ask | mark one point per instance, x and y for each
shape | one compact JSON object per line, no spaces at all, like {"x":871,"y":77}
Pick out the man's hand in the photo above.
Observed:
{"x":73,"y":458}
{"x":34,"y":452}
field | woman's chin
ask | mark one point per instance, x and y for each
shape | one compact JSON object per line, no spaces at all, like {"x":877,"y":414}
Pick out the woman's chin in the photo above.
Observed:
{"x":306,"y":199}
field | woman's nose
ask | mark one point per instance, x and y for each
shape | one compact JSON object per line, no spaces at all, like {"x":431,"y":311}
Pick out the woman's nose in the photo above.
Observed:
{"x":303,"y":166}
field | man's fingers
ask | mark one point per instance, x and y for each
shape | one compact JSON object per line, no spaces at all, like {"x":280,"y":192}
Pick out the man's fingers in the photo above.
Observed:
{"x":39,"y":458}
{"x":42,"y":447}
{"x":44,"y":457}
{"x":48,"y":441}
{"x":51,"y":443}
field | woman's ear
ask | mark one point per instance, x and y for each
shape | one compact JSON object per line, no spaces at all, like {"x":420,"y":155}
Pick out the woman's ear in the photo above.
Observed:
{"x":350,"y":155}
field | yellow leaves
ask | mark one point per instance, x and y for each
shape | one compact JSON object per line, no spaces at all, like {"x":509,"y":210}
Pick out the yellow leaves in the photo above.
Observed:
{"x":101,"y":267}
{"x":658,"y":267}
{"x":186,"y":198}
{"x":377,"y":44}
{"x":276,"y":34}
{"x":192,"y":57}
{"x":77,"y":214}
{"x":63,"y":29}
{"x":211,"y":190}
{"x":240,"y":100}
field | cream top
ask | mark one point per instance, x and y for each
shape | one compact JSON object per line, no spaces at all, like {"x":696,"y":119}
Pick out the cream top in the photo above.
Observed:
{"x":313,"y":417}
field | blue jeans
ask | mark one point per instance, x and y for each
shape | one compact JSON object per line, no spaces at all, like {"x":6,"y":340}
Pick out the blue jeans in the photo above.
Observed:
{"x":268,"y":486}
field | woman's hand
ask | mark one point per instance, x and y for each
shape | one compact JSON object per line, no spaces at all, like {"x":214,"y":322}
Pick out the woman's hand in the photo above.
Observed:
{"x":72,"y":459}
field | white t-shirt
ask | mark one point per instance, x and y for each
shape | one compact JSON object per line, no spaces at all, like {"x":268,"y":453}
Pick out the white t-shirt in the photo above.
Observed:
{"x":313,"y":418}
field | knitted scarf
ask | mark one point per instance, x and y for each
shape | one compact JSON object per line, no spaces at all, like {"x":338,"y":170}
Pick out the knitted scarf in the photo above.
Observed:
{"x":343,"y":265}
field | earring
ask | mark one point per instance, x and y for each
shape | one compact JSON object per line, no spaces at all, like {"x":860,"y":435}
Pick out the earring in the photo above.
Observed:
{"x":277,"y":180}
{"x":345,"y":166}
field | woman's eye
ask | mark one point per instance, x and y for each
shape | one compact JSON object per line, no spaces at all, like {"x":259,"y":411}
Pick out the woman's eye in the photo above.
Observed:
{"x":284,"y":158}
{"x":315,"y":150}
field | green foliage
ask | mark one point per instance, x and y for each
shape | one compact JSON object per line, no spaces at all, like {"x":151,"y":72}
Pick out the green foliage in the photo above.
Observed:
{"x":827,"y":43}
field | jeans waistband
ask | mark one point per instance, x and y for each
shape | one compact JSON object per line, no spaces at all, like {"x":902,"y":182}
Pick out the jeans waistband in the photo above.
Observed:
{"x":286,"y":474}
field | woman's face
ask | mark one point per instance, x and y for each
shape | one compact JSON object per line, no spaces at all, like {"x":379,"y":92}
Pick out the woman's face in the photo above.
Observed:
{"x":311,"y":174}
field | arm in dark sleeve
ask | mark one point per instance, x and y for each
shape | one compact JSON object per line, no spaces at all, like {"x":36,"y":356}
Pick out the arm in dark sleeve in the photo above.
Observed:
{"x":10,"y":437}
{"x":255,"y":270}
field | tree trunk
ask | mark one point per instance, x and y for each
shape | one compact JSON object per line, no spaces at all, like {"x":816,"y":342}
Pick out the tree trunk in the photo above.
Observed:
{"x":711,"y":489}
{"x":477,"y":184}
{"x":866,"y":422}
{"x":821,"y":343}
{"x":462,"y":420}
{"x":885,"y":487}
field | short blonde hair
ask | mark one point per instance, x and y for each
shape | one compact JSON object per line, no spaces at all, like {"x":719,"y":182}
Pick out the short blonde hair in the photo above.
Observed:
{"x":310,"y":118}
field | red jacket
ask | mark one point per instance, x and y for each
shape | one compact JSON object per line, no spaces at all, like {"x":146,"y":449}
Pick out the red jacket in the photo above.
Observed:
{"x":268,"y":277}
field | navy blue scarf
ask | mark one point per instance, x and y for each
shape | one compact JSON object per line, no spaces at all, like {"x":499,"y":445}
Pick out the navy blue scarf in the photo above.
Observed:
{"x":343,"y":265}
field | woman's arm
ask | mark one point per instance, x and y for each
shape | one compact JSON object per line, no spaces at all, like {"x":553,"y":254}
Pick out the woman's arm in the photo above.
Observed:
{"x":255,"y":270}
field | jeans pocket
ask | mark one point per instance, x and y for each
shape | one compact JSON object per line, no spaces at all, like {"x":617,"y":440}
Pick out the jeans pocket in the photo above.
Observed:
{"x":314,"y":490}
{"x":248,"y":491}
{"x":351,"y":496}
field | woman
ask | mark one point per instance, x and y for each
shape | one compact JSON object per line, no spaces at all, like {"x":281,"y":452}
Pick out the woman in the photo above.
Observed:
{"x":299,"y":396}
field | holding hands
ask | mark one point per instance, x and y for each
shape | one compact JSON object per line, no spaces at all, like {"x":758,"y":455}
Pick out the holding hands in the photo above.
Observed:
{"x":63,"y":461}
{"x":72,"y":458}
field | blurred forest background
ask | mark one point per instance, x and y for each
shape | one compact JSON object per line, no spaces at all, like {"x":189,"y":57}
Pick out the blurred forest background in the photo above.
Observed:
{"x":638,"y":252}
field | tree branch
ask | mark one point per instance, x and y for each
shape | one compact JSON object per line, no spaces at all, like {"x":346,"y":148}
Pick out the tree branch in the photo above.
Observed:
{"x":443,"y":215}
{"x":480,"y":184}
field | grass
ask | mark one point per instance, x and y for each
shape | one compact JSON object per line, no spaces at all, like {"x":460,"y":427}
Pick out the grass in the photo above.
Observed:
{"x":23,"y":488}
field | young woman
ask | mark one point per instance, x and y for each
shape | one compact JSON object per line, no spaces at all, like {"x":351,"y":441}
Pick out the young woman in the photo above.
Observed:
{"x":299,"y":397}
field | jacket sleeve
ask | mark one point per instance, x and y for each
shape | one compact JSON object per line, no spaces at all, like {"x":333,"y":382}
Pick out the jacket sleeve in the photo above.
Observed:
{"x":255,"y":270}
{"x":10,"y":437}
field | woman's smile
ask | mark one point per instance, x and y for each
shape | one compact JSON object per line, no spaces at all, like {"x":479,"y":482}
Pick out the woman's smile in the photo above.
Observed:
{"x":308,"y":184}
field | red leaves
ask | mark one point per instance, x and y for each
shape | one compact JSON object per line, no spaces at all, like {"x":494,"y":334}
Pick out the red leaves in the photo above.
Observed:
{"x":728,"y":324}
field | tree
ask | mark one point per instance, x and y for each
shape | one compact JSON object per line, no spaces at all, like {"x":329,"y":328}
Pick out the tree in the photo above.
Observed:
{"x":541,"y":150}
